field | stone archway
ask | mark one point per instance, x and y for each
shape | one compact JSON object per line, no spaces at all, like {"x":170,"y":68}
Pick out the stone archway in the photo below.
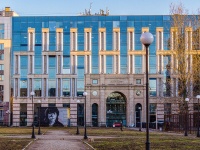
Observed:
{"x":115,"y":108}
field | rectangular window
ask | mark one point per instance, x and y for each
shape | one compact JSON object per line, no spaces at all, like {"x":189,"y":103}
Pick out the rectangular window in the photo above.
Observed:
{"x":1,"y":67}
{"x":66,"y":64}
{"x":1,"y":46}
{"x":52,"y":67}
{"x":109,"y":64}
{"x":138,"y":64}
{"x":38,"y":87}
{"x":138,"y":81}
{"x":52,"y":88}
{"x":1,"y":77}
{"x":1,"y":31}
{"x":66,"y":87}
{"x":23,"y":87}
{"x":167,"y":108}
{"x":94,"y":81}
{"x":152,"y":87}
{"x":152,"y":111}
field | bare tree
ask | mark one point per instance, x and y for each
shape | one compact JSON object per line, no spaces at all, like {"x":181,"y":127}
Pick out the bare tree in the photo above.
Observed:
{"x":185,"y":46}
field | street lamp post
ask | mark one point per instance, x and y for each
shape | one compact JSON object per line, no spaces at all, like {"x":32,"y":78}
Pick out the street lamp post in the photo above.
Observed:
{"x":140,"y":128}
{"x":85,"y":133}
{"x":198,"y":135}
{"x":186,"y":117}
{"x":39,"y":110}
{"x":146,"y":39}
{"x":33,"y":133}
{"x":77,"y":129}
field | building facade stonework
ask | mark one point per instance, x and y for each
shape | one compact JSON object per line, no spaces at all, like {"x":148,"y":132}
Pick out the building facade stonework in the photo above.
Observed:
{"x":58,"y":58}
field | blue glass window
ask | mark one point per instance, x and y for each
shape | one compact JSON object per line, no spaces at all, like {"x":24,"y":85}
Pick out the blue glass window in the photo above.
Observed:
{"x":38,"y":87}
{"x":38,"y":64}
{"x":1,"y":31}
{"x":152,"y":87}
{"x":138,"y":64}
{"x":109,"y":64}
{"x":152,"y":64}
{"x":52,"y":67}
{"x":51,"y":87}
{"x":23,"y":87}
{"x":66,"y":87}
{"x":66,"y":64}
{"x":23,"y":66}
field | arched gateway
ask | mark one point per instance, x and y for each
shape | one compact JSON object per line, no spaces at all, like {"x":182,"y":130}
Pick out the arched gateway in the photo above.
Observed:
{"x":115,"y":108}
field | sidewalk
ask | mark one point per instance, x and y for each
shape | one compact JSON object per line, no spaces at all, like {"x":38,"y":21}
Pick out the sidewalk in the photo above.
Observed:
{"x":58,"y":140}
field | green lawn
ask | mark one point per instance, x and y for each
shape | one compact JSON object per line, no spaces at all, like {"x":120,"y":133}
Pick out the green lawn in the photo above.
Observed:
{"x":107,"y":139}
{"x":134,"y":140}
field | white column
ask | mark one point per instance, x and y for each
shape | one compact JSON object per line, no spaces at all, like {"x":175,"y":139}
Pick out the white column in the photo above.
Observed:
{"x":158,"y":63}
{"x":33,"y":64}
{"x":47,"y":87}
{"x":114,"y":64}
{"x":19,"y":67}
{"x":18,"y":94}
{"x":75,"y":87}
{"x":28,"y":88}
{"x":61,"y":87}
{"x":57,"y":63}
{"x":133,"y":64}
{"x":176,"y":87}
{"x":100,"y":64}
{"x":104,"y":63}
{"x":71,"y":87}
{"x":157,"y":88}
{"x":172,"y":64}
{"x":86,"y":64}
{"x":162,"y":45}
{"x":56,"y":87}
{"x":42,"y":64}
{"x":61,"y":64}
{"x":29,"y":62}
{"x":172,"y":87}
{"x":129,"y":64}
{"x":14,"y":87}
{"x":161,"y":63}
{"x":143,"y":63}
{"x":47,"y":64}
{"x":118,"y":56}
{"x":89,"y":64}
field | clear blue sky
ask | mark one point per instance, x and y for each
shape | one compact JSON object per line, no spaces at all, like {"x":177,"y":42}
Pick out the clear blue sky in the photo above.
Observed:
{"x":116,"y":7}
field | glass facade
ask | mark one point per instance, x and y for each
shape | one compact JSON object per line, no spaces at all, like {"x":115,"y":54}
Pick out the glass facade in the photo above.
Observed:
{"x":52,"y":55}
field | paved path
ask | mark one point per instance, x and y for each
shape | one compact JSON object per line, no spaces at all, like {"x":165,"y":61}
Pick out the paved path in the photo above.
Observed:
{"x":58,"y":140}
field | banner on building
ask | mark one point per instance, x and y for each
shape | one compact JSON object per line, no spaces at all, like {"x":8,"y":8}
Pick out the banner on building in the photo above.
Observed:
{"x":54,"y":116}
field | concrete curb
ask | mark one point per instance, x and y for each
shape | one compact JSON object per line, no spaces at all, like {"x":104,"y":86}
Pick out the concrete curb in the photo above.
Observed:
{"x":88,"y":145}
{"x":29,"y":144}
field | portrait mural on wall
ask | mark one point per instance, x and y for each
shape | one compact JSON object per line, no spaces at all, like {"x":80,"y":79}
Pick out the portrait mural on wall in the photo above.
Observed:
{"x":53,"y":117}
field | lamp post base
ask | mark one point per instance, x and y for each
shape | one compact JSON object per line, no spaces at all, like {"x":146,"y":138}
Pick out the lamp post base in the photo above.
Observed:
{"x":147,"y":145}
{"x":33,"y":133}
{"x":39,"y":133}
{"x":185,"y":134}
{"x":77,"y":131}
{"x":198,"y":130}
{"x":85,"y":136}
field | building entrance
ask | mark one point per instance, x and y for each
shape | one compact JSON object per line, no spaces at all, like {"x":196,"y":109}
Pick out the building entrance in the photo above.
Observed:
{"x":115,"y":109}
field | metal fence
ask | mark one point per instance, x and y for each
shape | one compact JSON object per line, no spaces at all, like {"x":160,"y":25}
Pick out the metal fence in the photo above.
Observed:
{"x":182,"y":122}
